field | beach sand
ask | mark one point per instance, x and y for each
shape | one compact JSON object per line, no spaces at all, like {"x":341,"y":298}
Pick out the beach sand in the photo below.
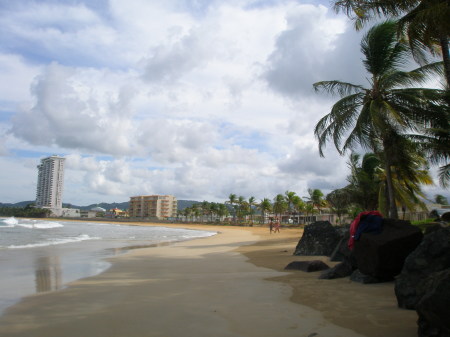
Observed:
{"x":231,"y":284}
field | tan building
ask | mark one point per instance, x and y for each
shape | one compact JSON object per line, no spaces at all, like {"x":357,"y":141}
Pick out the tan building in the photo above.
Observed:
{"x":153,"y":206}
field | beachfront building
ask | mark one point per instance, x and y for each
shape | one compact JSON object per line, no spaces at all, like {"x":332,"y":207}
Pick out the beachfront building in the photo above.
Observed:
{"x":50,"y":183}
{"x":153,"y":206}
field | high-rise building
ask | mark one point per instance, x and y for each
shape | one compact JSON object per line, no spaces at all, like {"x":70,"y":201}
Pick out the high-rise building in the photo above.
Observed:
{"x":50,"y":182}
{"x":153,"y":206}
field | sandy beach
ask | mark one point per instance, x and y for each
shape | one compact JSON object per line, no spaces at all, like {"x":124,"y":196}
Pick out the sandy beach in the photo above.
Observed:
{"x":230,"y":284}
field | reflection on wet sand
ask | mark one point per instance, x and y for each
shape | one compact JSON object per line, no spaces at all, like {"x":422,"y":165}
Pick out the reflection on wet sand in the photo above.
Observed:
{"x":48,"y":273}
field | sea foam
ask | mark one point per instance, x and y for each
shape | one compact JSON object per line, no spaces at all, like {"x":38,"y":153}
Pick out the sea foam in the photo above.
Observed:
{"x":79,"y":238}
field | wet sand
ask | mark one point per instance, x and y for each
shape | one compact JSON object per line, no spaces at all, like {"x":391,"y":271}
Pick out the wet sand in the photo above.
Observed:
{"x":231,"y":284}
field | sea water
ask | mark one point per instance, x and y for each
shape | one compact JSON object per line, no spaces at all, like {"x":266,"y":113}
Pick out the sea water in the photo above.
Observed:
{"x":39,"y":255}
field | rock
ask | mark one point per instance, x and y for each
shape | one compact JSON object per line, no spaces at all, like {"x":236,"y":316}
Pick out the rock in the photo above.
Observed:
{"x":308,"y":266}
{"x":446,"y":217}
{"x":341,"y":252}
{"x":433,"y":307}
{"x":319,"y":238}
{"x":382,"y":255}
{"x":340,"y":270}
{"x":432,"y":255}
{"x":359,"y":277}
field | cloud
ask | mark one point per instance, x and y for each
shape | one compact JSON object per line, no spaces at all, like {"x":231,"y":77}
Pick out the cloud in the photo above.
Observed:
{"x":314,"y":46}
{"x":73,"y":111}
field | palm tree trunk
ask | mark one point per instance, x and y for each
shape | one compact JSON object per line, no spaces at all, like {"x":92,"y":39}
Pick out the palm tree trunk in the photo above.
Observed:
{"x":446,"y":58}
{"x":390,"y":187}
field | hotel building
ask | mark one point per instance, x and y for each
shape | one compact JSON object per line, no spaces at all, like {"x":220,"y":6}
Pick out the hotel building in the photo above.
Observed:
{"x":153,"y":206}
{"x":50,"y":183}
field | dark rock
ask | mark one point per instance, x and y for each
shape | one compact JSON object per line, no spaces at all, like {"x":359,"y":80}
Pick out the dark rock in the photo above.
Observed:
{"x":319,"y":238}
{"x":432,"y":255}
{"x":382,"y":255}
{"x":340,"y":270}
{"x":446,"y":217}
{"x":433,"y":307}
{"x":308,"y":266}
{"x":432,"y":227}
{"x":359,"y":277}
{"x":341,"y":252}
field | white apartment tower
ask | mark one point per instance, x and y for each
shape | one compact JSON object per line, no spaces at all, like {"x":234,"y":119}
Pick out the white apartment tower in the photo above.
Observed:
{"x":50,"y":182}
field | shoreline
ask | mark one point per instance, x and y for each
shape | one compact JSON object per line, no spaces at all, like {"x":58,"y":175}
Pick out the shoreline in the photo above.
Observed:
{"x":226,"y":278}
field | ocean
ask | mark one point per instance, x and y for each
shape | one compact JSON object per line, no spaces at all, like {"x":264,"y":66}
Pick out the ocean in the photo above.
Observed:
{"x":39,"y":255}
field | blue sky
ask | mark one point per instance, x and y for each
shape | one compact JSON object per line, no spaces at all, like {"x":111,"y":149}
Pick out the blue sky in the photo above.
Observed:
{"x":198,"y":99}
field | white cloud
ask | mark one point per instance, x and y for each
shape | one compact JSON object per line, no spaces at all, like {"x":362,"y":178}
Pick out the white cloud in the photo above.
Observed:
{"x":197,"y":99}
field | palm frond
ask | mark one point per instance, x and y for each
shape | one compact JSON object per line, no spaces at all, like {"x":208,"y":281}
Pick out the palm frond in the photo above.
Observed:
{"x":337,"y":87}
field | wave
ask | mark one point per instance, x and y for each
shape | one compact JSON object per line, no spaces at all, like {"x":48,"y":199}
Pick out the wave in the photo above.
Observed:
{"x":41,"y":225}
{"x":10,"y":222}
{"x":13,"y":222}
{"x":79,"y":238}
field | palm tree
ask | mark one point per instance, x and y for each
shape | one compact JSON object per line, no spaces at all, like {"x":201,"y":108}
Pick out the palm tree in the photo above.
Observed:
{"x":408,"y":174}
{"x":434,"y":143}
{"x":440,"y":199}
{"x":289,"y":196}
{"x":279,"y":205}
{"x":251,"y":203}
{"x":339,"y":201}
{"x":232,"y":199}
{"x":377,"y":116}
{"x":265,"y":206}
{"x":424,"y":22}
{"x":299,"y":205}
{"x":316,"y":198}
{"x":364,"y":183}
{"x":242,"y":208}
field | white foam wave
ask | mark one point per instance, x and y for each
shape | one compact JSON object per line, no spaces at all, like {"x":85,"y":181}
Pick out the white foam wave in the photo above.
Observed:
{"x":82,"y":237}
{"x":10,"y":222}
{"x":41,"y":225}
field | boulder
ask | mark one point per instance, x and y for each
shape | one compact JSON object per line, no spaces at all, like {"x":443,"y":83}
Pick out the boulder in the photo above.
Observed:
{"x":340,"y":270}
{"x":341,"y":252}
{"x":382,"y":255}
{"x":433,"y":307}
{"x":319,"y":238}
{"x":359,"y":277}
{"x":432,"y":255}
{"x":308,"y":266}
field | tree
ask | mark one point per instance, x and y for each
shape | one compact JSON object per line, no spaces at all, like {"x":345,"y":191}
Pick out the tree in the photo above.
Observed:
{"x":290,"y":196}
{"x":265,"y":206}
{"x":364,"y":182}
{"x":251,"y":204}
{"x":440,"y":199}
{"x":339,"y":202}
{"x":316,"y":198}
{"x":378,"y":116}
{"x":232,"y":199}
{"x":426,"y":23}
{"x":279,"y":205}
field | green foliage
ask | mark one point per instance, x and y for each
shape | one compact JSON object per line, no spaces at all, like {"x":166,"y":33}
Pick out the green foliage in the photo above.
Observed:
{"x":25,"y":212}
{"x":381,"y":116}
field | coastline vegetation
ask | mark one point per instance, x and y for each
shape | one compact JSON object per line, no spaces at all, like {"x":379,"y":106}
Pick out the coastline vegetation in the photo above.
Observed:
{"x":28,"y":211}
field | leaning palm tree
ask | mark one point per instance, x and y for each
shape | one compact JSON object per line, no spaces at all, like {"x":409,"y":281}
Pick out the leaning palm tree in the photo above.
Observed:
{"x":424,"y":22}
{"x":376,"y":116}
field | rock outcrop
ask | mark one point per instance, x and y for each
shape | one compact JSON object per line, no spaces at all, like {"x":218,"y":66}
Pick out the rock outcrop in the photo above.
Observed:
{"x":382,"y":255}
{"x":319,"y":238}
{"x":433,"y":307}
{"x":431,"y":256}
{"x":308,"y":266}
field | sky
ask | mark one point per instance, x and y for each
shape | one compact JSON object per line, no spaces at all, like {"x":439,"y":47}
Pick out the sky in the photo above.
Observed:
{"x":198,"y":99}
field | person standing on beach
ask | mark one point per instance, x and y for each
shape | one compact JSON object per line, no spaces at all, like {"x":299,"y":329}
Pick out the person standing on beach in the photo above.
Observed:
{"x":271,"y":225}
{"x":277,"y":226}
